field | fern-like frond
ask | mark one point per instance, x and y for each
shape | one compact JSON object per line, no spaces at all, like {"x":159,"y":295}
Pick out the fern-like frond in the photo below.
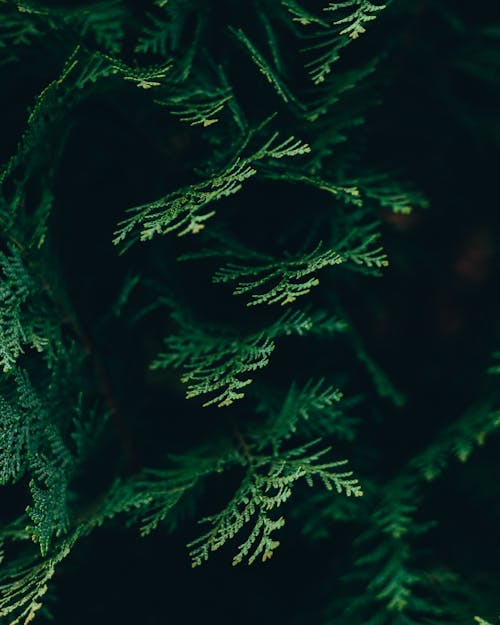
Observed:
{"x":270,"y":281}
{"x":279,"y":282}
{"x":313,"y":410}
{"x":267,"y":485}
{"x":168,"y":35}
{"x":392,"y":193}
{"x":459,"y":439}
{"x":220,"y":364}
{"x":186,"y":209}
{"x":394,"y":586}
{"x":16,"y":286}
{"x":270,"y":73}
{"x":49,"y":510}
{"x":22,"y":424}
{"x":150,"y":497}
{"x":45,"y":113}
{"x":283,"y":281}
{"x":27,"y":317}
{"x":350,"y":20}
{"x":45,"y":441}
{"x":23,"y":583}
{"x":359,"y":14}
{"x":359,"y":247}
{"x":202,"y":102}
{"x":348,"y":193}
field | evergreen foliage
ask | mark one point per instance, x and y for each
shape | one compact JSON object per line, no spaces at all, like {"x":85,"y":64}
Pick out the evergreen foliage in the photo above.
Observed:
{"x":247,"y":131}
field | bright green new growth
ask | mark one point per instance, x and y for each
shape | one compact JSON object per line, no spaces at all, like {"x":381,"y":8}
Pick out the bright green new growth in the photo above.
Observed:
{"x":267,"y":485}
{"x":181,"y":209}
{"x":295,"y":277}
{"x":221,"y":364}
